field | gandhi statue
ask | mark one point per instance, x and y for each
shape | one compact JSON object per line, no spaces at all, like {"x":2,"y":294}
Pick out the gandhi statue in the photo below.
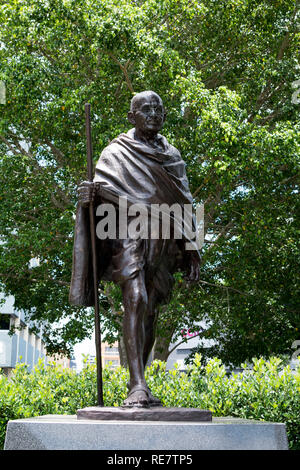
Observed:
{"x":143,"y":167}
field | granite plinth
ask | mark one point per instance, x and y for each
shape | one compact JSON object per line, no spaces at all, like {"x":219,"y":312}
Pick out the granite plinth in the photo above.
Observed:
{"x":61,"y":432}
{"x":157,"y":413}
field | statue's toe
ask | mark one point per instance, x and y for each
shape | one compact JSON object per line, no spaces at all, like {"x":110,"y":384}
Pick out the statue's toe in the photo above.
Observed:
{"x":138,"y":397}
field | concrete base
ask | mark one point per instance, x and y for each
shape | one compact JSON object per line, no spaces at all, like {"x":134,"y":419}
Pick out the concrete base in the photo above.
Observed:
{"x":61,"y":432}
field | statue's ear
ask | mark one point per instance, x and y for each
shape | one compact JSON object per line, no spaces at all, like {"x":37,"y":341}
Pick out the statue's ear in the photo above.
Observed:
{"x":131,"y":118}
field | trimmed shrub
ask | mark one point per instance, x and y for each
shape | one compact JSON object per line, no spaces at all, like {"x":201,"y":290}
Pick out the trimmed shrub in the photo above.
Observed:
{"x":268,"y":391}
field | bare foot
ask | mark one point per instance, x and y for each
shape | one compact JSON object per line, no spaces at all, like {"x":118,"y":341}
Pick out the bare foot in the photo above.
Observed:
{"x":153,"y":401}
{"x":137,"y":397}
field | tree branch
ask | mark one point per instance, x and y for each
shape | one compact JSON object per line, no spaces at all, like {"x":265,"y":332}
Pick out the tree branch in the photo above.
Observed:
{"x":56,"y":281}
{"x":224,"y":287}
{"x":124,"y":68}
{"x":58,"y":153}
{"x":183,"y":341}
{"x":17,"y":149}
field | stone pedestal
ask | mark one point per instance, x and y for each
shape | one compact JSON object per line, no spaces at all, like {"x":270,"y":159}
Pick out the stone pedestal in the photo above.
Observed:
{"x":61,"y":432}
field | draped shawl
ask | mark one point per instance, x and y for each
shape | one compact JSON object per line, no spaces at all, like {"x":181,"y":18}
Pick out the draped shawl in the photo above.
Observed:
{"x":143,"y":174}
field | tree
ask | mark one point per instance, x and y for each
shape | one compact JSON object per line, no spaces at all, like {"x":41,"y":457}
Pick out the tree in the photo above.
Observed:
{"x":225,"y":71}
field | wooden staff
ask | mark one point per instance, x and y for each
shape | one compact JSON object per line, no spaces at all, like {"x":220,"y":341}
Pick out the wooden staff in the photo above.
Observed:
{"x":94,"y":256}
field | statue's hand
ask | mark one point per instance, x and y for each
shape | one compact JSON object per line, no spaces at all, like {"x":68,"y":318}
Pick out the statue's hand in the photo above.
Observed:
{"x":86,"y":193}
{"x":194,"y":267}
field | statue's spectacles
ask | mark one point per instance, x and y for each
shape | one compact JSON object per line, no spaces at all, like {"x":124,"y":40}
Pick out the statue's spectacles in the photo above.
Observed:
{"x":148,"y":109}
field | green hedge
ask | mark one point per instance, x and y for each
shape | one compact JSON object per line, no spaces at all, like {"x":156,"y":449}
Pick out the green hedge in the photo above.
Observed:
{"x":268,"y":391}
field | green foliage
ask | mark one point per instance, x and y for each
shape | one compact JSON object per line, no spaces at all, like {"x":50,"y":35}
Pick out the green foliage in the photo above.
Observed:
{"x":225,"y":72}
{"x":267,"y":391}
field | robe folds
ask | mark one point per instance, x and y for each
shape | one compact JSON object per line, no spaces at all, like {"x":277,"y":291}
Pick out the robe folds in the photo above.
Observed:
{"x":145,"y":175}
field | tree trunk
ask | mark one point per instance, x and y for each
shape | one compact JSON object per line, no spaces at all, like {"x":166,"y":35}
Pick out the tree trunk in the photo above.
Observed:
{"x":161,"y":348}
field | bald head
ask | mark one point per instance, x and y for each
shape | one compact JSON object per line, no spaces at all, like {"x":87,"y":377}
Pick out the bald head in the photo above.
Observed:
{"x":147,"y":95}
{"x":147,"y":114}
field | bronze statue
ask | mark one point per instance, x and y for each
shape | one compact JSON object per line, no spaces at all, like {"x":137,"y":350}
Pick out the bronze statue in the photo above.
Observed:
{"x":142,"y":167}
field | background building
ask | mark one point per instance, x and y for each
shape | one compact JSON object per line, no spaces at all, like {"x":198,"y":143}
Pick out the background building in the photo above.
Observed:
{"x":60,"y":360}
{"x":23,"y":346}
{"x":184,"y":349}
{"x":109,"y":355}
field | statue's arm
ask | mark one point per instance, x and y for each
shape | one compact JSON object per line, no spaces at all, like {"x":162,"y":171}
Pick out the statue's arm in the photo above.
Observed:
{"x":192,"y":257}
{"x":88,"y":192}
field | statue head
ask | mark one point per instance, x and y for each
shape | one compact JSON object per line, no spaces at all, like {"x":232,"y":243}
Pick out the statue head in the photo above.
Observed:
{"x":147,"y":112}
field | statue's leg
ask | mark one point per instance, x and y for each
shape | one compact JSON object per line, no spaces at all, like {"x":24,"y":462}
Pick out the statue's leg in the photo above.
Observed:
{"x":135,"y":302}
{"x":150,"y":327}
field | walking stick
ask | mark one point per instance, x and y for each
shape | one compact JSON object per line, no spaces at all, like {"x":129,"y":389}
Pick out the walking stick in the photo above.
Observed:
{"x":94,"y":256}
